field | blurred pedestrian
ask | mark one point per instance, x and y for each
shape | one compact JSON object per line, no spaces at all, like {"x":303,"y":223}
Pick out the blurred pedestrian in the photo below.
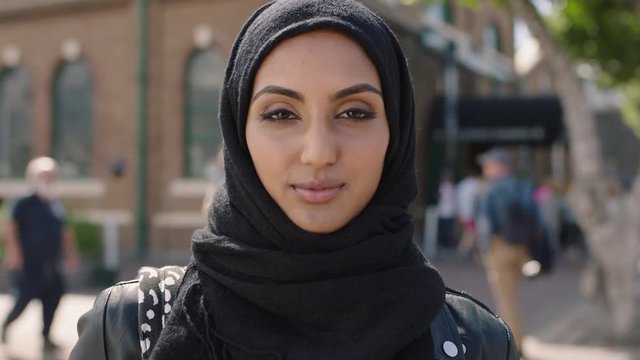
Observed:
{"x":446,"y":214}
{"x":502,"y":215}
{"x":467,"y":192}
{"x":555,"y":212}
{"x":36,"y":239}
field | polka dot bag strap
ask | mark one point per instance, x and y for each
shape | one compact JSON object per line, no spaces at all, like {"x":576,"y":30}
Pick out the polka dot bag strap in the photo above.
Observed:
{"x":157,"y":290}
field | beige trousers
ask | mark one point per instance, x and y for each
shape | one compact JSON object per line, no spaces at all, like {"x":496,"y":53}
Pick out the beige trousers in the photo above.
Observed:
{"x":503,"y":262}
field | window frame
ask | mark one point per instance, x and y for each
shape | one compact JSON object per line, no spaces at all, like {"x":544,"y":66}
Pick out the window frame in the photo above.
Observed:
{"x":498,"y":47}
{"x":57,"y":124}
{"x":189,"y":138}
{"x":444,"y":7}
{"x":5,"y":76}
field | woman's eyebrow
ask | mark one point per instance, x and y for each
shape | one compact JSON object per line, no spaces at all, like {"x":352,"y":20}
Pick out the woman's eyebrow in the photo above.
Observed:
{"x":273,"y":89}
{"x":354,"y":90}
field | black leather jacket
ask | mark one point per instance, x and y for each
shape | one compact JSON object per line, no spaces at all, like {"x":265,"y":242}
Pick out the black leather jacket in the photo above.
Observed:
{"x":110,"y":329}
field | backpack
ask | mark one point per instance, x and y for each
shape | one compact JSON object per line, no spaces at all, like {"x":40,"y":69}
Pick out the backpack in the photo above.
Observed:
{"x":522,"y":227}
{"x":521,"y":224}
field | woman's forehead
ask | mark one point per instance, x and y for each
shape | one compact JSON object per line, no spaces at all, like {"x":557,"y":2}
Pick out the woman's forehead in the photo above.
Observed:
{"x":321,"y":55}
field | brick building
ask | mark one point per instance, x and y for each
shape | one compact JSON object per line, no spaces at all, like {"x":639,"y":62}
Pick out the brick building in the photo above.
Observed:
{"x":123,"y":94}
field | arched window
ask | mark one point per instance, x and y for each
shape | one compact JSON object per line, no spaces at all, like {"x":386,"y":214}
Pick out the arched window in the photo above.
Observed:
{"x":15,"y":119}
{"x":440,"y":11}
{"x":491,"y":38}
{"x":73,"y":119}
{"x":204,"y":77}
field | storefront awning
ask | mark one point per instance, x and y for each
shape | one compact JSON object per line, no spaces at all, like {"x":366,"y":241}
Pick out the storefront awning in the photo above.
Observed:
{"x":502,"y":120}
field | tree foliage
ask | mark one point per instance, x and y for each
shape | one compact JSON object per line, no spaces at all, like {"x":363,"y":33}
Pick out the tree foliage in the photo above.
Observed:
{"x":631,"y":106}
{"x":604,"y":32}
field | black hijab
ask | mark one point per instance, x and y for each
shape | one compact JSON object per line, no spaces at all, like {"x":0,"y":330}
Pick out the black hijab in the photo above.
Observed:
{"x":269,"y":289}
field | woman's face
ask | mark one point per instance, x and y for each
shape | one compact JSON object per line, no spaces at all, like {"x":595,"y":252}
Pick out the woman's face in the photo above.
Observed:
{"x":317,"y":129}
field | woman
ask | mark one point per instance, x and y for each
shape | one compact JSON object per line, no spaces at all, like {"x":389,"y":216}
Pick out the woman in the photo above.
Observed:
{"x":308,"y":252}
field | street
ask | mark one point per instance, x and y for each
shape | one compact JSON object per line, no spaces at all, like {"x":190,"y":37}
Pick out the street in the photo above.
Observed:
{"x":560,"y":324}
{"x":543,"y":299}
{"x":24,"y":339}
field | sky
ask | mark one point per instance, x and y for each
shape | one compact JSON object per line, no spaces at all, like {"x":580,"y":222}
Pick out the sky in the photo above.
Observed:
{"x":521,"y":32}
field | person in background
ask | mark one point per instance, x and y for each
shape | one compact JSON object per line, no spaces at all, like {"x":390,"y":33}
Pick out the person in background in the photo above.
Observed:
{"x":554,"y":211}
{"x":467,"y":192}
{"x":446,"y":214}
{"x":503,"y":257}
{"x":36,"y":240}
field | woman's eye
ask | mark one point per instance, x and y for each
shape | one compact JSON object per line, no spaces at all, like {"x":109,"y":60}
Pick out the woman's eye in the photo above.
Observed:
{"x":357,"y":114}
{"x":278,"y":115}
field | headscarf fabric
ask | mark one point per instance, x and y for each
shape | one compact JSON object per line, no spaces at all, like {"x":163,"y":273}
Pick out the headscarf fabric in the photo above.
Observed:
{"x":270,"y":289}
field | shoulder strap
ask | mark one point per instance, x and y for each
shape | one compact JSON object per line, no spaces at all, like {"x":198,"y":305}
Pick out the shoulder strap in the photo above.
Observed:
{"x":446,"y":340}
{"x":157,"y":289}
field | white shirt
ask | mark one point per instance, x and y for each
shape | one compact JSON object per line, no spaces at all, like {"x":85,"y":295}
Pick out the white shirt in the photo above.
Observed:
{"x":466,"y":197}
{"x":447,"y":201}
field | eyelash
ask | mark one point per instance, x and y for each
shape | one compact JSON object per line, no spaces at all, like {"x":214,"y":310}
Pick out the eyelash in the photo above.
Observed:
{"x":360,"y":114}
{"x":286,"y":115}
{"x":276,"y":115}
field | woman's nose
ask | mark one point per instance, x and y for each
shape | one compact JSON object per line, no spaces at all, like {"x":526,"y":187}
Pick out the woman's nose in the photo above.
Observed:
{"x":320,"y":145}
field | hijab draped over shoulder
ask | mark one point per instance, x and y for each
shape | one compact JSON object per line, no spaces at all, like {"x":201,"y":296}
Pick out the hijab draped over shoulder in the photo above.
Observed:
{"x":262,"y":288}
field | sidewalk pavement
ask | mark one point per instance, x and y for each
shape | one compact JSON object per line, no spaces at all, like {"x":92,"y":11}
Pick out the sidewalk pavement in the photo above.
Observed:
{"x":561,"y":326}
{"x":581,"y":334}
{"x":24,"y":335}
{"x":559,"y":323}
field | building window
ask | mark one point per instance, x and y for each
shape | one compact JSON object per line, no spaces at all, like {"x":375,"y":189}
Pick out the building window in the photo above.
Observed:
{"x":491,"y":38}
{"x":15,"y":122}
{"x":440,"y":11}
{"x":204,"y":77}
{"x":73,"y":119}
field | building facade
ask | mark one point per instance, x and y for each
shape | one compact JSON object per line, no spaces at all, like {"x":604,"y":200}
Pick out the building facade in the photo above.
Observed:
{"x":123,"y":94}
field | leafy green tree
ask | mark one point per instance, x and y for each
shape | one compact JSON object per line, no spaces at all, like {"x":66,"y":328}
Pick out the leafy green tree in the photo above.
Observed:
{"x":604,"y":32}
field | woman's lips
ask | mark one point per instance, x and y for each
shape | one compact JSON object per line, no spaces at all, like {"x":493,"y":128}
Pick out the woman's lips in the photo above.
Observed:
{"x":318,"y":192}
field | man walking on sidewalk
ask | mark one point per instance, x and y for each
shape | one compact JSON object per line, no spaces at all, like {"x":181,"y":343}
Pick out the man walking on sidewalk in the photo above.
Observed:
{"x":505,"y":208}
{"x":36,"y":238}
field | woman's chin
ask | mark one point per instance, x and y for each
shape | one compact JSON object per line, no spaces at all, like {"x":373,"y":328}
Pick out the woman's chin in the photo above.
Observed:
{"x":319,"y":223}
